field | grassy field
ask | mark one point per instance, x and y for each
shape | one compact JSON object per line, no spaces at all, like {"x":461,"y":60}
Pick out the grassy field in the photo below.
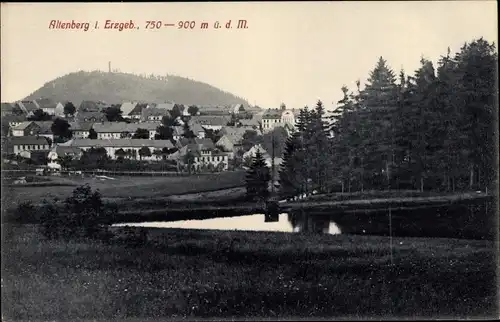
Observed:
{"x":186,"y":274}
{"x":130,"y":187}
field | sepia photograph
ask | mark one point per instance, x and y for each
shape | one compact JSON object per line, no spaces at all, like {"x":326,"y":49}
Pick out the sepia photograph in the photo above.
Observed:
{"x":321,"y":160}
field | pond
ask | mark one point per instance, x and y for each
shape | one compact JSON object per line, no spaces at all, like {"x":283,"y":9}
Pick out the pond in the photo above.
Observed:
{"x":470,"y":220}
{"x":257,"y":222}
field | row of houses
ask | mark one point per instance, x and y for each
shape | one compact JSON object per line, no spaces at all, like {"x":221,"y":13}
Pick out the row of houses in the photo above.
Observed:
{"x":28,"y":107}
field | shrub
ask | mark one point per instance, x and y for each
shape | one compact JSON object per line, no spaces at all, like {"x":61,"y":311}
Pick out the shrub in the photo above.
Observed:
{"x":25,"y":213}
{"x":83,"y":215}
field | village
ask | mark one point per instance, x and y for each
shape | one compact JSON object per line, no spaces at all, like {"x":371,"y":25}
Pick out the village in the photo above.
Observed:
{"x":54,"y":136}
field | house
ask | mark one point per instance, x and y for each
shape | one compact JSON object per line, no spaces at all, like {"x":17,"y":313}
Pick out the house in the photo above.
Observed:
{"x":59,"y":111}
{"x":205,"y":155}
{"x":45,"y":129}
{"x":165,"y":106}
{"x":89,"y":116}
{"x":289,"y":116}
{"x":91,"y":106}
{"x":271,"y":119}
{"x":211,"y":122}
{"x":136,"y":112}
{"x":198,"y":130}
{"x":153,"y":114}
{"x":28,"y":128}
{"x":236,"y":133}
{"x":60,"y":151}
{"x":127,"y":108}
{"x":13,"y":120}
{"x":81,"y":130}
{"x":46,"y":105}
{"x":8,"y":109}
{"x":28,"y":107}
{"x":118,"y":130}
{"x":267,"y":157}
{"x":226,"y":144}
{"x":129,"y":146}
{"x":215,"y":110}
{"x":28,"y":143}
{"x":254,"y":123}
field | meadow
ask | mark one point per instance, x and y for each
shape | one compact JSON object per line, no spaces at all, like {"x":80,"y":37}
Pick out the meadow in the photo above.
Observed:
{"x":121,"y":188}
{"x":168,"y":273}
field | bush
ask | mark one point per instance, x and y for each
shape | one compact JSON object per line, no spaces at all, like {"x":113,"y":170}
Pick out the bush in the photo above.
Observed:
{"x":83,"y":215}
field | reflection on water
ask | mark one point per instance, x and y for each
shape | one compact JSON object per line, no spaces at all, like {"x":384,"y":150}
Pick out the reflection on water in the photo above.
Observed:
{"x":257,"y":222}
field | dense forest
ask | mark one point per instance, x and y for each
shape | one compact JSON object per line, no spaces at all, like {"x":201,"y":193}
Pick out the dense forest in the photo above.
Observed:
{"x":433,"y":130}
{"x":117,"y":87}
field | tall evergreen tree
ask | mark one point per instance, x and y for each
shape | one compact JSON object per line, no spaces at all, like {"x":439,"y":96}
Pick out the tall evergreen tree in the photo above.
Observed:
{"x":257,"y":179}
{"x":290,"y":175}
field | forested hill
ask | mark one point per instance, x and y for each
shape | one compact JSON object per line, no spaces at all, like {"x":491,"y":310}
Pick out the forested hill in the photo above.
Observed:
{"x":118,"y":87}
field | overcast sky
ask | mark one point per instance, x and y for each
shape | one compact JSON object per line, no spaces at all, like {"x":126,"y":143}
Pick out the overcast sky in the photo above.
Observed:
{"x":294,"y":52}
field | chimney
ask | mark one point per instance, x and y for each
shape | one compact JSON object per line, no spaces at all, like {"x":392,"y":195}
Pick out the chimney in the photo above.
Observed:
{"x":109,"y":67}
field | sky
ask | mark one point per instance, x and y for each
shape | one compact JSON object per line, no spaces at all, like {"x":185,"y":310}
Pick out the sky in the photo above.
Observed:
{"x":291,"y":52}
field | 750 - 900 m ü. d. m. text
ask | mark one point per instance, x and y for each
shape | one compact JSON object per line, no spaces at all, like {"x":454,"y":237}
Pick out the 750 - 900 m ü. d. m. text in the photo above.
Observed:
{"x":148,"y":24}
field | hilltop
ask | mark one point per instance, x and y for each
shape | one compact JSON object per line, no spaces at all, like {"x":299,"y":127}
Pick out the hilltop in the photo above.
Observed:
{"x":118,"y":87}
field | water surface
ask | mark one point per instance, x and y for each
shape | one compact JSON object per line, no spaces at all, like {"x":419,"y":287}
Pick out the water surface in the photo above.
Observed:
{"x":255,"y":222}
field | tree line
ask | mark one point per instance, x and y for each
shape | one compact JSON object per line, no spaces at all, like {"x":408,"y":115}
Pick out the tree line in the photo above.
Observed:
{"x":434,"y":130}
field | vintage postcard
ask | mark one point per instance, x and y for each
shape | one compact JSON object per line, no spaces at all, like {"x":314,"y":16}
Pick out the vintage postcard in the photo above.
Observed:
{"x":249,"y":160}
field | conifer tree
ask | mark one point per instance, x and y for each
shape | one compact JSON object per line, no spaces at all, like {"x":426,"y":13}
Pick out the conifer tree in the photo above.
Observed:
{"x":257,"y":178}
{"x":291,"y":179}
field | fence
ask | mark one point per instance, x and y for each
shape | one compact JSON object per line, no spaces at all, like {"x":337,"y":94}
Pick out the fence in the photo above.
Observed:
{"x":115,"y":173}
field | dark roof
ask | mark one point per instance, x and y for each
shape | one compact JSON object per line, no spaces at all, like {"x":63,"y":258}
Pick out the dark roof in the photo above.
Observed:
{"x":29,"y":106}
{"x":45,"y":126}
{"x":216,"y":120}
{"x":137,"y":110}
{"x":81,"y":126}
{"x":65,"y":150}
{"x":272,"y":114}
{"x":81,"y":116}
{"x":46,"y":103}
{"x":153,"y":111}
{"x":120,"y":143}
{"x":28,"y":140}
{"x":14,"y":118}
{"x":7,"y":107}
{"x":89,"y":106}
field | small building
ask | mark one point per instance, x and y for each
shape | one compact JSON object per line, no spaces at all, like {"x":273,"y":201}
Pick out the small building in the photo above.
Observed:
{"x":13,"y":120}
{"x":153,"y":114}
{"x":119,"y":130}
{"x":28,"y":128}
{"x":90,"y":116}
{"x":60,"y":151}
{"x":47,"y":105}
{"x":211,"y":122}
{"x":130,"y":146}
{"x":8,"y":109}
{"x":205,"y":155}
{"x":28,"y":107}
{"x":81,"y":130}
{"x":127,"y":108}
{"x":136,"y":112}
{"x":28,"y":143}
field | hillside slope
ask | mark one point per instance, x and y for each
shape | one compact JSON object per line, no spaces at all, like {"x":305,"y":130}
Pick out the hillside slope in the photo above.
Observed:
{"x":118,"y":87}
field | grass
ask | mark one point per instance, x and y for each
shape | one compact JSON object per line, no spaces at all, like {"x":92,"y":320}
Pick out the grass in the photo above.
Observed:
{"x":132,"y":187}
{"x":185,"y":274}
